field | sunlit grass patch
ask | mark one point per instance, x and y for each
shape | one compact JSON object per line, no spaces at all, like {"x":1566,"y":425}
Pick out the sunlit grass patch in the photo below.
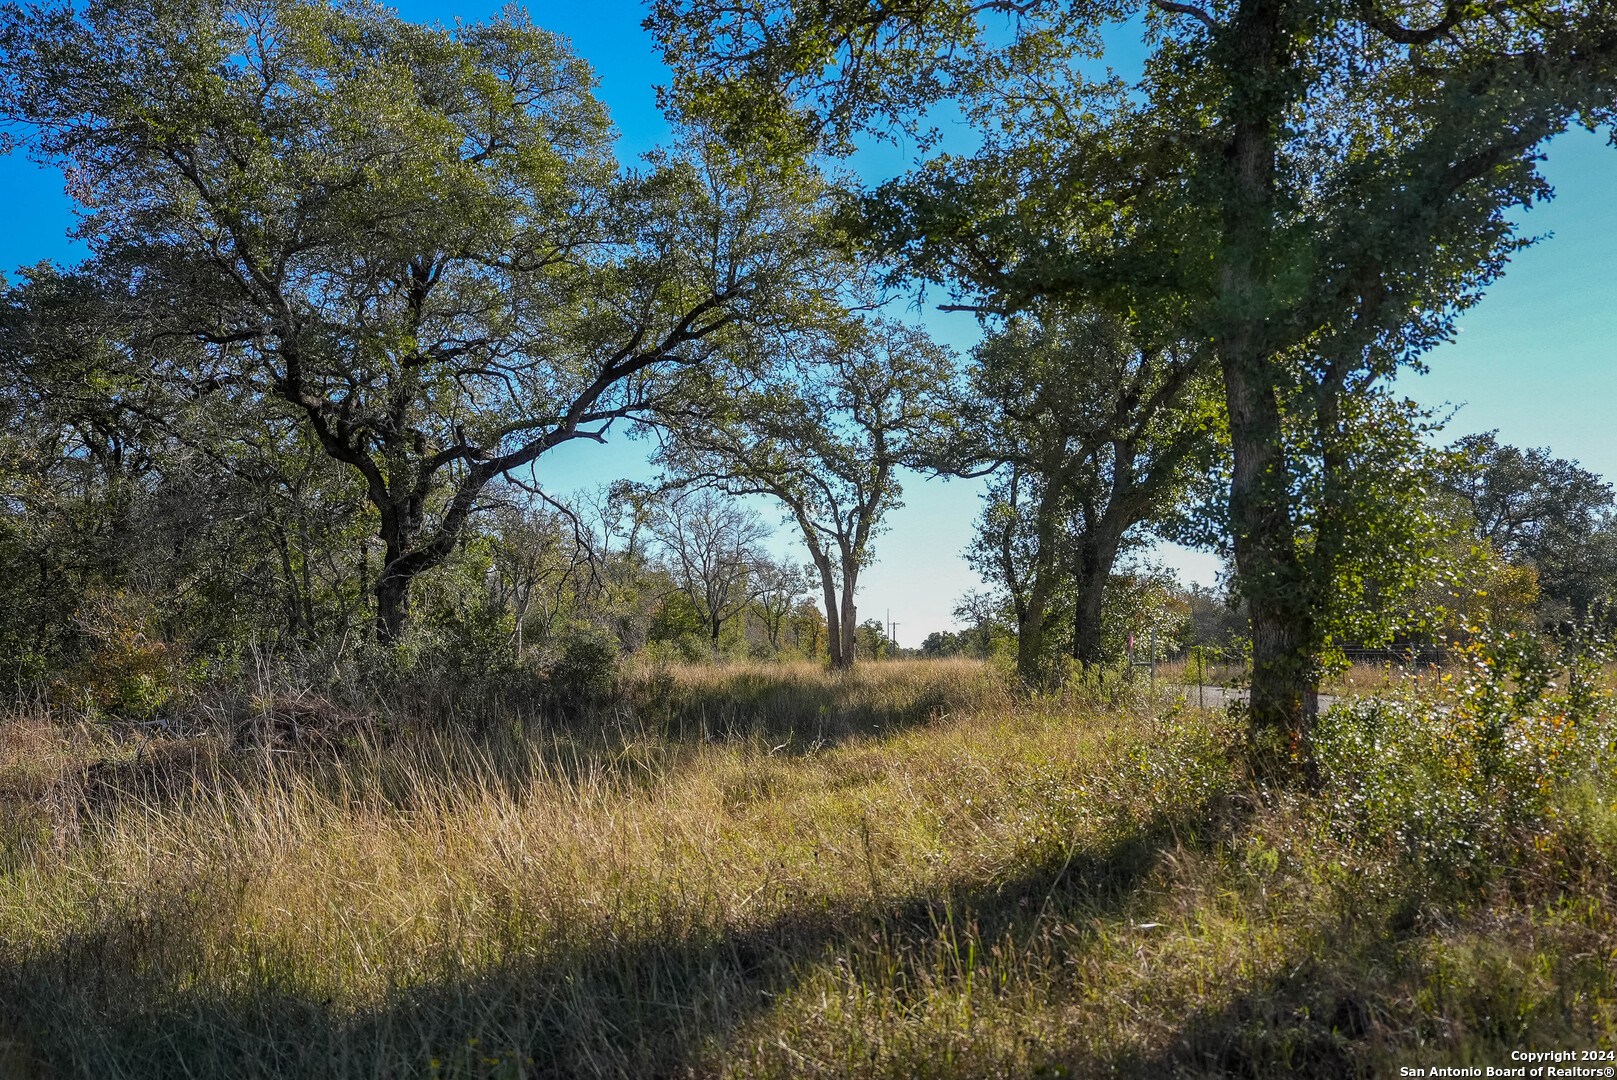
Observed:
{"x":945,"y":880}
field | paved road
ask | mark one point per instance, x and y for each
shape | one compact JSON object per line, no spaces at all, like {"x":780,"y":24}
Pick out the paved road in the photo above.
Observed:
{"x":1216,"y":697}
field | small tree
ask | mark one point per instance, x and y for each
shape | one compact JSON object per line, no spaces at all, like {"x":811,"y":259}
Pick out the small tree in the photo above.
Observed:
{"x":713,"y":546}
{"x":808,"y":629}
{"x":982,"y":614}
{"x":778,"y":587}
{"x":536,"y":561}
{"x":825,"y":434}
{"x":873,"y":640}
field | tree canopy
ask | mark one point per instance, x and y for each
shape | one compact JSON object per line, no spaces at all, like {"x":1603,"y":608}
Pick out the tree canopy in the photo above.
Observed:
{"x":825,"y":434}
{"x":1089,"y":436}
{"x":414,"y":240}
{"x":1313,"y":189}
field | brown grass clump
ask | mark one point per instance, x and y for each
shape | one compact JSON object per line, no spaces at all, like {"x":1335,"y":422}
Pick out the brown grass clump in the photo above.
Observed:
{"x":756,"y":871}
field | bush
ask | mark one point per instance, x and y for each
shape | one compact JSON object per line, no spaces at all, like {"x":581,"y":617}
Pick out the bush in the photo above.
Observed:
{"x":586,"y":669}
{"x":1470,"y":775}
{"x":475,"y":642}
{"x":129,"y":672}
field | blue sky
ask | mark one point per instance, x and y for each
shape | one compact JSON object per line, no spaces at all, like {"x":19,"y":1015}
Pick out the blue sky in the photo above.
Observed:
{"x":1534,"y":359}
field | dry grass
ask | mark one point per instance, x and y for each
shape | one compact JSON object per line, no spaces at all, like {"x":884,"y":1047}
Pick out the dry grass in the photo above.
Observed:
{"x":1359,"y":680}
{"x":1366,"y":680}
{"x":752,"y":872}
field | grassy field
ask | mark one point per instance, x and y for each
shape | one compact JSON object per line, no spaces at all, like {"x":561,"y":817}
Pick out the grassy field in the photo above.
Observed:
{"x":776,"y":871}
{"x":1358,"y":680}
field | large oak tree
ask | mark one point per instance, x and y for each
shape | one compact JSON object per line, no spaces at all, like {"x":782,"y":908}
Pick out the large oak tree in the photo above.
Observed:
{"x":414,"y":240}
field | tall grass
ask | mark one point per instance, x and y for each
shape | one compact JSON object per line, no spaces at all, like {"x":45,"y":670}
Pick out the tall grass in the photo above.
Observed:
{"x":770,"y":871}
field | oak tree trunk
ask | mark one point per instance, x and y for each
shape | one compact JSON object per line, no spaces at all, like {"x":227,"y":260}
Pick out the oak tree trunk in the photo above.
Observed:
{"x":1274,"y":580}
{"x":849,"y":618}
{"x":392,"y":606}
{"x":1091,"y":572}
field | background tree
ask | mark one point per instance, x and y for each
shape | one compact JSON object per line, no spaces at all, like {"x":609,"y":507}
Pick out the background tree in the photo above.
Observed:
{"x":222,"y":521}
{"x":414,"y":240}
{"x":984,"y":615}
{"x":625,"y":584}
{"x":1539,"y":511}
{"x":538,"y":560}
{"x":873,"y":641}
{"x":1090,"y":437}
{"x":713,"y":543}
{"x":825,"y":434}
{"x":1525,"y":502}
{"x":807,"y":623}
{"x":779,"y":586}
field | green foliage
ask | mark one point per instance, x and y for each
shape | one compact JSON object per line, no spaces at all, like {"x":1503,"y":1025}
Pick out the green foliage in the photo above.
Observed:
{"x":1538,"y":511}
{"x":585,"y":671}
{"x":808,"y":630}
{"x":1473,"y":778}
{"x":1092,"y":436}
{"x":825,"y":435}
{"x":675,"y":617}
{"x":873,"y":643}
{"x":1139,"y":601}
{"x":1314,"y":191}
{"x":126,"y":670}
{"x":474,"y":640}
{"x":412,"y":242}
{"x":989,"y":627}
{"x":1369,"y":528}
{"x":678,"y":631}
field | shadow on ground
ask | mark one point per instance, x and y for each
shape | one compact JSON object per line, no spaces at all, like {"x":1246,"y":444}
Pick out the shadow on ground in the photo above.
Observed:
{"x":664,"y":1005}
{"x":512,"y":734}
{"x":1400,"y":985}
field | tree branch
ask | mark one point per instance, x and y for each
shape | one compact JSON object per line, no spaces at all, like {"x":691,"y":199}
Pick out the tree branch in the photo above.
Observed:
{"x":1395,"y":31}
{"x":1192,"y":10}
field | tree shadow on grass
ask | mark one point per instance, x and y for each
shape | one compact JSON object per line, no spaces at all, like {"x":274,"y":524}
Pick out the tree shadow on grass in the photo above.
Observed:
{"x":1317,"y":1019}
{"x":507,"y":742}
{"x":1364,"y":996}
{"x":802,"y":708}
{"x":129,"y":998}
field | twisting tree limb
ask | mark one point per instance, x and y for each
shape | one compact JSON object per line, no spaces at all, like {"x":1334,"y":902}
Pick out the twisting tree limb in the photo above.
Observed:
{"x":1192,"y":10}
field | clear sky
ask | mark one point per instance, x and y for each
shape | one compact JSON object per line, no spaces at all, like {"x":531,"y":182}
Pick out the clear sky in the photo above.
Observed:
{"x":1533,"y":360}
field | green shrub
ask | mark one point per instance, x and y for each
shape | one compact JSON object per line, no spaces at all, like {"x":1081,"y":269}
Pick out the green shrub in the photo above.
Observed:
{"x":586,"y":668}
{"x":1469,"y":774}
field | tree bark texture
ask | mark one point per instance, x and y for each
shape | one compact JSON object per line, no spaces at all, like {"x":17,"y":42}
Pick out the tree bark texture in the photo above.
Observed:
{"x":1272,"y":576}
